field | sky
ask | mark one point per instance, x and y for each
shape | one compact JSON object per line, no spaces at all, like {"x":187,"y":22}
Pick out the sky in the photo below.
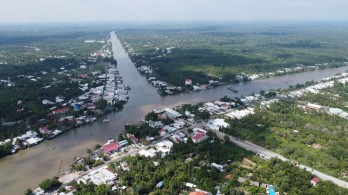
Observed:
{"x":33,"y":11}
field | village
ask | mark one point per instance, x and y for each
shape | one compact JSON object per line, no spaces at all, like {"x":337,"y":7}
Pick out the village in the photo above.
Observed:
{"x":183,"y":126}
{"x":100,"y":90}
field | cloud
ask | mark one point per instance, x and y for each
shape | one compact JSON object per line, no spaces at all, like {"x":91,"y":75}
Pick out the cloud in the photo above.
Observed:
{"x":161,"y":10}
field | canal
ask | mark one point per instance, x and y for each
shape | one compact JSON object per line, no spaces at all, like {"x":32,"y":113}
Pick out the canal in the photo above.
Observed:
{"x":29,"y":167}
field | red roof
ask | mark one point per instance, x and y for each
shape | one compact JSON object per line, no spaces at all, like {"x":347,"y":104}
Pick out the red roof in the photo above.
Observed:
{"x":188,"y":82}
{"x":198,"y":136}
{"x":111,"y":147}
{"x":315,"y":180}
{"x":228,"y":176}
{"x":83,"y":75}
{"x":200,"y":131}
{"x":60,"y":111}
{"x":91,"y":106}
{"x":132,"y":137}
{"x":198,"y":193}
{"x":45,"y":128}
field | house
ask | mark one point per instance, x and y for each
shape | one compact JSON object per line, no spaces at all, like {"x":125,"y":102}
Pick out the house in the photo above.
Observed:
{"x":60,"y":110}
{"x":216,"y":124}
{"x":38,"y":191}
{"x":315,"y":181}
{"x":123,"y":143}
{"x":69,"y":118}
{"x":199,"y":192}
{"x":111,"y":147}
{"x":239,"y":114}
{"x":99,"y":176}
{"x":250,"y":99}
{"x":33,"y":141}
{"x":124,"y":166}
{"x":314,"y":107}
{"x":45,"y":102}
{"x":188,"y":114}
{"x":217,"y":166}
{"x":335,"y":111}
{"x":91,"y":106}
{"x":176,"y":138}
{"x":170,"y":113}
{"x":59,"y":99}
{"x":44,"y":129}
{"x":199,"y":138}
{"x":85,"y":76}
{"x":165,"y":143}
{"x":169,"y":129}
{"x":98,"y":152}
{"x":162,"y":132}
{"x":155,"y":124}
{"x":133,"y":138}
{"x":188,"y":82}
{"x":148,"y":153}
{"x":199,"y":135}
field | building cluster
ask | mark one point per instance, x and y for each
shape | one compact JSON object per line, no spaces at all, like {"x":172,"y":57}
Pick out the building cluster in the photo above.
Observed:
{"x":183,"y":128}
{"x":62,"y":111}
{"x":319,"y":108}
{"x":297,"y":69}
{"x":99,"y":176}
{"x":163,"y":148}
{"x":104,"y":52}
{"x":226,"y":109}
{"x":113,"y":91}
{"x":323,"y":84}
{"x":30,"y":138}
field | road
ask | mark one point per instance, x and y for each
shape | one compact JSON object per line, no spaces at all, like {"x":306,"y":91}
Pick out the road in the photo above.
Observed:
{"x":258,"y":149}
{"x":241,"y":143}
{"x":132,"y":151}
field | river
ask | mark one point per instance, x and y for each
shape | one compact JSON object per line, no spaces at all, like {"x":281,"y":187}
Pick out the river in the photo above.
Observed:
{"x":29,"y":167}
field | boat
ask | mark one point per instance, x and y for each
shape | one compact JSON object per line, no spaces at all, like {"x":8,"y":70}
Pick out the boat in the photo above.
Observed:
{"x":231,"y":88}
{"x":106,"y":120}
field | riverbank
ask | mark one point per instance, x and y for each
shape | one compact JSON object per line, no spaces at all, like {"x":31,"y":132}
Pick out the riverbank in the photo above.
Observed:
{"x":163,"y":88}
{"x":35,"y":164}
{"x":87,"y":108}
{"x":178,"y":131}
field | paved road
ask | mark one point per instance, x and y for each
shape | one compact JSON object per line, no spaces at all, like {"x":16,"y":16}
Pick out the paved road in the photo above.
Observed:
{"x":258,"y":149}
{"x":132,"y":151}
{"x":241,"y":143}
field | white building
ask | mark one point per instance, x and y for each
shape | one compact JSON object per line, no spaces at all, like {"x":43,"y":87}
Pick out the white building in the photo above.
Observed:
{"x":216,"y":124}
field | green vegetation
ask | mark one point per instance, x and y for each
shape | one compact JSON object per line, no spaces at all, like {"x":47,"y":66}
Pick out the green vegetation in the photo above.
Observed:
{"x":29,"y":191}
{"x":173,"y":170}
{"x":40,"y":65}
{"x":90,"y":188}
{"x":314,"y":138}
{"x":49,"y":184}
{"x":141,"y":130}
{"x":5,"y":149}
{"x":193,"y":109}
{"x":221,"y":52}
{"x":191,"y":163}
